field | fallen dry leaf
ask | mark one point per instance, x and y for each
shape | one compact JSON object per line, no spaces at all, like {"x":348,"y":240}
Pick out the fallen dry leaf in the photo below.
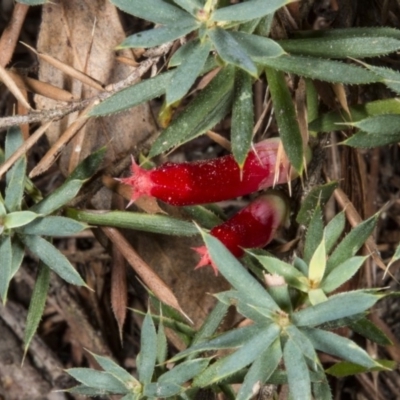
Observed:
{"x":83,"y":34}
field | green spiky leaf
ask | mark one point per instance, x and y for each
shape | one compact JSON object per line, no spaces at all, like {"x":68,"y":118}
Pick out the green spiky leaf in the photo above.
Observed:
{"x":37,"y":304}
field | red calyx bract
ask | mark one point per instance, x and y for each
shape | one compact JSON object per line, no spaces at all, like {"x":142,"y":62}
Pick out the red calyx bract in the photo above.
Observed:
{"x":253,"y":226}
{"x":210,"y":181}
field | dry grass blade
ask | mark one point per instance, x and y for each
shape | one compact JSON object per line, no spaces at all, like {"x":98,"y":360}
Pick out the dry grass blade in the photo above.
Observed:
{"x":127,"y":61}
{"x":340,"y":93}
{"x":13,"y":87}
{"x":50,"y":157}
{"x":67,"y":69}
{"x":354,"y":218}
{"x":43,"y":88}
{"x":119,"y":289}
{"x":24,"y":148}
{"x":301,"y":108}
{"x":9,"y":37}
{"x":217,"y":138}
{"x":260,"y":120}
{"x":144,"y":271}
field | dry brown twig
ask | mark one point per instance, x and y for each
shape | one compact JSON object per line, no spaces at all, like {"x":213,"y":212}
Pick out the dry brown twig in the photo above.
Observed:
{"x":58,"y":113}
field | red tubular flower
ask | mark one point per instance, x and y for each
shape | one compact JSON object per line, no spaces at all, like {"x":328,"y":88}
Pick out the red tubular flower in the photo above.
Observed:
{"x":253,"y":226}
{"x":214,"y":180}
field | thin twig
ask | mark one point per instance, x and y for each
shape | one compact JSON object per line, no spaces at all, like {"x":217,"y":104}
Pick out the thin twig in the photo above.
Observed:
{"x":58,"y":113}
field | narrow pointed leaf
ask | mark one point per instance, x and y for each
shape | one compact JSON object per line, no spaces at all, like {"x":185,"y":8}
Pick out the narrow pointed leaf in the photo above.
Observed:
{"x":146,"y":361}
{"x":249,"y":26}
{"x":316,"y":296}
{"x":135,"y":220}
{"x":338,"y":306}
{"x":346,"y":368}
{"x":342,"y":273}
{"x":58,"y":197}
{"x":234,"y":272}
{"x":162,"y":345}
{"x":331,"y":120}
{"x":341,"y":47}
{"x":185,"y":75}
{"x":161,"y":390}
{"x":244,"y":356}
{"x":301,"y":265}
{"x":388,"y":76}
{"x":318,"y":195}
{"x":157,"y":11}
{"x":261,"y":370}
{"x":19,"y":218}
{"x":286,"y":118}
{"x":248,"y":10}
{"x":365,"y":140}
{"x":18,"y":252}
{"x":334,"y":230}
{"x":293,"y":277}
{"x":352,"y":32}
{"x":15,"y":177}
{"x":314,"y":234}
{"x":322,"y":69}
{"x":115,"y":370}
{"x":184,"y":372}
{"x":14,"y":139}
{"x":84,"y":390}
{"x":339,"y":346}
{"x":211,"y":323}
{"x":56,"y":261}
{"x":203,"y":216}
{"x":37,"y":304}
{"x":378,"y":130}
{"x":282,"y":296}
{"x":168,"y":312}
{"x":183,"y":53}
{"x":368,"y":329}
{"x":133,"y":95}
{"x":53,"y":226}
{"x":248,"y":305}
{"x":98,"y":380}
{"x":132,"y":396}
{"x":3,"y":213}
{"x":385,"y":124}
{"x":297,"y":371}
{"x":231,"y":51}
{"x":231,"y":339}
{"x":257,"y":47}
{"x":351,"y":243}
{"x":207,"y":109}
{"x":304,"y":344}
{"x":242,"y":117}
{"x":321,"y":390}
{"x":312,"y":101}
{"x":5,"y":265}
{"x":157,"y":36}
{"x":16,"y":183}
{"x":89,"y":166}
{"x":318,"y":263}
{"x":191,"y":6}
{"x":182,"y":330}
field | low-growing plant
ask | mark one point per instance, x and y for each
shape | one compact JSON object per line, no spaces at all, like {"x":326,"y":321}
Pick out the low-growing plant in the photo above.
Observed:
{"x":289,"y":320}
{"x":33,"y":227}
{"x":290,"y":309}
